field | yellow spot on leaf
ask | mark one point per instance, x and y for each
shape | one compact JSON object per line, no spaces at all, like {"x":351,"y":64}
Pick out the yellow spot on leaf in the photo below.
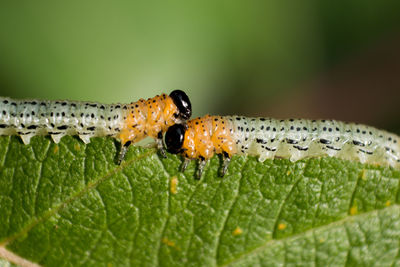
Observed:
{"x":388,"y":203}
{"x":288,"y":173}
{"x":353,"y":210}
{"x":282,"y":226}
{"x":363,"y":174}
{"x":77,"y":147}
{"x":237,"y":231}
{"x":174,"y":185}
{"x":168,"y":242}
{"x":55,"y":149}
{"x":322,"y":240}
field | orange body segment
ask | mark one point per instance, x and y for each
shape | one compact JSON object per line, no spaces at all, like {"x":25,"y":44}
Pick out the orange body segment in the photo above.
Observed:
{"x":148,"y":118}
{"x":206,"y":136}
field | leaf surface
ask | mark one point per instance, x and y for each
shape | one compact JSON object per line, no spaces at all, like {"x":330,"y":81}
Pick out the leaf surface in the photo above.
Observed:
{"x":70,"y":204}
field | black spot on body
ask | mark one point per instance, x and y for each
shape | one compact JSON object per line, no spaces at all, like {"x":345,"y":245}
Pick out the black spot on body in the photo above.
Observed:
{"x":366,"y":152}
{"x":301,"y":148}
{"x":358,"y":143}
{"x":261,"y":141}
{"x":324,"y":141}
{"x":291,"y":141}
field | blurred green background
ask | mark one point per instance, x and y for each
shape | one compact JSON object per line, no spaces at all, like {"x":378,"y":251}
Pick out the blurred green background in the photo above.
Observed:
{"x":313,"y":59}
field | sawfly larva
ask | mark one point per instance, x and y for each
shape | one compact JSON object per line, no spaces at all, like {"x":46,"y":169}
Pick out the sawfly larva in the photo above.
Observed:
{"x":293,"y":139}
{"x":129,"y":123}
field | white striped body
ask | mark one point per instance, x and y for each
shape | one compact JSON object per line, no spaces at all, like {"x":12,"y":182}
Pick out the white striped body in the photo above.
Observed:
{"x":28,"y":118}
{"x":297,"y":138}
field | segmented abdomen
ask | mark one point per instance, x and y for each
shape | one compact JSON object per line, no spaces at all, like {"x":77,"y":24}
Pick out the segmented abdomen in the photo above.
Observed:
{"x":297,"y":138}
{"x":28,"y":118}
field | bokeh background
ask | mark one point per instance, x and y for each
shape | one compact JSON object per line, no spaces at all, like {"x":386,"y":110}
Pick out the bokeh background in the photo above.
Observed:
{"x":309,"y":58}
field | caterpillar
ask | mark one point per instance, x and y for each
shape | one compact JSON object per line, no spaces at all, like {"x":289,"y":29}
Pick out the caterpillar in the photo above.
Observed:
{"x":129,"y":123}
{"x":268,"y":138}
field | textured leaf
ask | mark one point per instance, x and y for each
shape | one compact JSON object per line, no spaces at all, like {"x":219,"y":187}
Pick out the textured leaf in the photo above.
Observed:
{"x":70,"y":204}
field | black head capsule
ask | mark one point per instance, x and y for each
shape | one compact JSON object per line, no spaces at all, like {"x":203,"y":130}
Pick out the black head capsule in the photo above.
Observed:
{"x":174,"y":138}
{"x":182,"y":102}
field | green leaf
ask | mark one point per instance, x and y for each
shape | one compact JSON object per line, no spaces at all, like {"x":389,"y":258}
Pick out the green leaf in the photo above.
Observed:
{"x":70,"y":204}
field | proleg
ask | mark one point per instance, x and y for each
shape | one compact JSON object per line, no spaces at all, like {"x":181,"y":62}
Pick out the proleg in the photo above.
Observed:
{"x":293,"y":139}
{"x":128,"y":123}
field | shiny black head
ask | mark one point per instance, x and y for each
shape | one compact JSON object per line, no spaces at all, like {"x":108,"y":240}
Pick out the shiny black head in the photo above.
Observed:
{"x":174,"y":138}
{"x":182,"y":102}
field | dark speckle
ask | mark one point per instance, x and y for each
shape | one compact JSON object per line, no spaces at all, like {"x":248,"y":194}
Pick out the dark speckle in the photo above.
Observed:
{"x":62,"y":127}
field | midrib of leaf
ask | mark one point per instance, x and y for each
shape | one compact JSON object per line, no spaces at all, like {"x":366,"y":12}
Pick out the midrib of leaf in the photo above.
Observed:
{"x":10,"y":257}
{"x":271,"y":242}
{"x":75,"y":196}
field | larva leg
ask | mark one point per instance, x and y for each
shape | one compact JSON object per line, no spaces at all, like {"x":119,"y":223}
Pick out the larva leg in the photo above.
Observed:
{"x":160,"y":146}
{"x":185,"y":164}
{"x":225,"y":164}
{"x":26,"y":138}
{"x":122,"y":152}
{"x":202,"y":164}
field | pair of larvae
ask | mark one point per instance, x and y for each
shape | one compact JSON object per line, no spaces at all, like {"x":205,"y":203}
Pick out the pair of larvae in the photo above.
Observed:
{"x":198,"y":138}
